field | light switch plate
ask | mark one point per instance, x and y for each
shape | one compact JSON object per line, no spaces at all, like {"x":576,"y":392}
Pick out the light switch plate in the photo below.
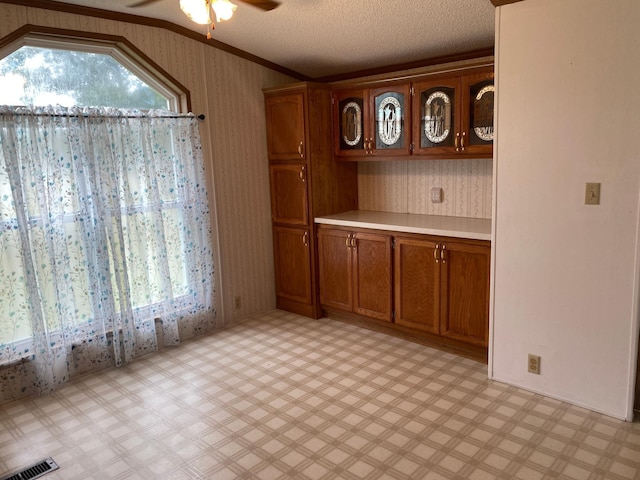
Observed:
{"x":592,"y":194}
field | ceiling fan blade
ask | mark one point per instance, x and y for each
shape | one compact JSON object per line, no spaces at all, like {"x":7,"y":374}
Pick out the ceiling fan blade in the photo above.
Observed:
{"x":262,"y":4}
{"x":142,"y":3}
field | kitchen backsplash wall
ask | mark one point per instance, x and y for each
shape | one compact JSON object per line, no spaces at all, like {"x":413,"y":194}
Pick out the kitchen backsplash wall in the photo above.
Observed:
{"x":404,"y":186}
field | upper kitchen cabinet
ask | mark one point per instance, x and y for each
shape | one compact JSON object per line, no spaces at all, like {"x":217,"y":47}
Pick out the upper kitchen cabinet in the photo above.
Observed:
{"x":453,"y":115}
{"x":389,"y":121}
{"x":349,"y":108}
{"x":372,"y":122}
{"x":285,"y":126}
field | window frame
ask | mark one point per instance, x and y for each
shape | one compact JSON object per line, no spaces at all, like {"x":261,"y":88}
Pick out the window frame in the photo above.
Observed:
{"x":118,"y":48}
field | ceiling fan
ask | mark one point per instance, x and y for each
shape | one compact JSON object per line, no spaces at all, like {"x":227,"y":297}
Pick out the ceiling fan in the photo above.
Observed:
{"x":199,"y":11}
{"x":262,"y":4}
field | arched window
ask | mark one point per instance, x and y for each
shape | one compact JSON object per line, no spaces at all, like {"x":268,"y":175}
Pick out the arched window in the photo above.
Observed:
{"x":104,"y":219}
{"x":41,"y":66}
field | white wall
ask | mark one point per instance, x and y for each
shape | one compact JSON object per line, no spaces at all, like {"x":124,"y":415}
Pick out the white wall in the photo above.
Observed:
{"x":565,"y":277}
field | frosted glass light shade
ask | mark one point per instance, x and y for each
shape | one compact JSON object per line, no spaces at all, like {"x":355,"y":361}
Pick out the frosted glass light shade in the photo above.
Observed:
{"x":196,"y":10}
{"x":223,"y":9}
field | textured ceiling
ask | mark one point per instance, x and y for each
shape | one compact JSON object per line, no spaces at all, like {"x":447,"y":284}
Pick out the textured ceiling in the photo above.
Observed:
{"x":319,"y":38}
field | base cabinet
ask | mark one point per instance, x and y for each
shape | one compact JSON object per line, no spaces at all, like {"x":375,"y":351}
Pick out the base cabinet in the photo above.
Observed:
{"x":355,"y":272}
{"x":442,"y":287}
{"x":438,"y":286}
{"x":292,"y":264}
{"x":417,"y":285}
{"x":464,"y":297}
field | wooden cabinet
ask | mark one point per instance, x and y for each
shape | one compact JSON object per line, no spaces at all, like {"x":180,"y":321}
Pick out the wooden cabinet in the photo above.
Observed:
{"x":289,"y":200}
{"x":305,"y":182}
{"x":292,"y":256}
{"x":441,"y":286}
{"x":372,"y":122}
{"x":286,"y":126}
{"x":464,"y":294}
{"x":453,"y":115}
{"x":421,"y":284}
{"x":432,"y":116}
{"x":417,"y":285}
{"x":355,"y":269}
{"x":350,"y":115}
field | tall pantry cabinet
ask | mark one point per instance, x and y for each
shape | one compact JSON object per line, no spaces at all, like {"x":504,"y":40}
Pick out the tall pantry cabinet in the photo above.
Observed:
{"x":305,"y":183}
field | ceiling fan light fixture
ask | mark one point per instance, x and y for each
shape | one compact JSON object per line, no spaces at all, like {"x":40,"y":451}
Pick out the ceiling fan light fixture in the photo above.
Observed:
{"x":223,"y":9}
{"x":196,"y":10}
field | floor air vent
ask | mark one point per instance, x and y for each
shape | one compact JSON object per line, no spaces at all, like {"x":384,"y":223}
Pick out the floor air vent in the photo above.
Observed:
{"x":35,"y":471}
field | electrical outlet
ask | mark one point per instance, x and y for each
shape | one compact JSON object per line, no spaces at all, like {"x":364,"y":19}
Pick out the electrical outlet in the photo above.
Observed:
{"x":436,"y":195}
{"x":236,"y":303}
{"x":533,"y":365}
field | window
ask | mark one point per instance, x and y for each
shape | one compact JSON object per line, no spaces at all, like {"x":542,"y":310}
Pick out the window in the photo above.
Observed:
{"x":104,"y":221}
{"x":51,"y":76}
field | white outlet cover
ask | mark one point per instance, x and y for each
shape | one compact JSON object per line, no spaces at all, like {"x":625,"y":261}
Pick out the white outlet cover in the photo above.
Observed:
{"x":436,"y":195}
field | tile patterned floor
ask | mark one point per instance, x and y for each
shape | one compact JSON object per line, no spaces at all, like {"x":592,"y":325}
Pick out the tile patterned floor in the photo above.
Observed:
{"x":284,"y":397}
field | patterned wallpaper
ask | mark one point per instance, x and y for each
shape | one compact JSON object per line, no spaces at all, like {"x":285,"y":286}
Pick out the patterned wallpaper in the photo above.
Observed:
{"x":404,"y":186}
{"x":228,"y":90}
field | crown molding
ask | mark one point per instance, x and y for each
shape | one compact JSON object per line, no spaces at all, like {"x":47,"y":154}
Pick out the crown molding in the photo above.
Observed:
{"x":499,"y":3}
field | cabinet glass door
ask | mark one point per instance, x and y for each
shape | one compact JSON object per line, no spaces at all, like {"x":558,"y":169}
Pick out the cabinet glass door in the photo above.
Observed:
{"x":390,"y":117}
{"x":436,"y":119}
{"x":349,"y":123}
{"x":481,"y":112}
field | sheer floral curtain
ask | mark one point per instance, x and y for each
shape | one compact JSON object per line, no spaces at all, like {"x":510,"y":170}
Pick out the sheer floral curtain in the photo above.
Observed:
{"x":104,"y":240}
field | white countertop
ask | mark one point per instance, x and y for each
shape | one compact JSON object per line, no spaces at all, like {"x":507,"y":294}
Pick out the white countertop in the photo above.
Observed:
{"x":459,"y":227}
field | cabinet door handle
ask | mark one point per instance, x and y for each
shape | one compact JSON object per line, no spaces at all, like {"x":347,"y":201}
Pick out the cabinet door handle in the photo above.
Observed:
{"x":435,"y":253}
{"x":442,"y":257}
{"x":462,"y":141}
{"x":302,"y":174}
{"x":457,"y":142}
{"x":353,"y":241}
{"x":305,"y":239}
{"x":348,"y":241}
{"x":301,"y":149}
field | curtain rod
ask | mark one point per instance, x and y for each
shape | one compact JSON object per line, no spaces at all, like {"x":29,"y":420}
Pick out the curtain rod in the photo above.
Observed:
{"x":85,"y":115}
